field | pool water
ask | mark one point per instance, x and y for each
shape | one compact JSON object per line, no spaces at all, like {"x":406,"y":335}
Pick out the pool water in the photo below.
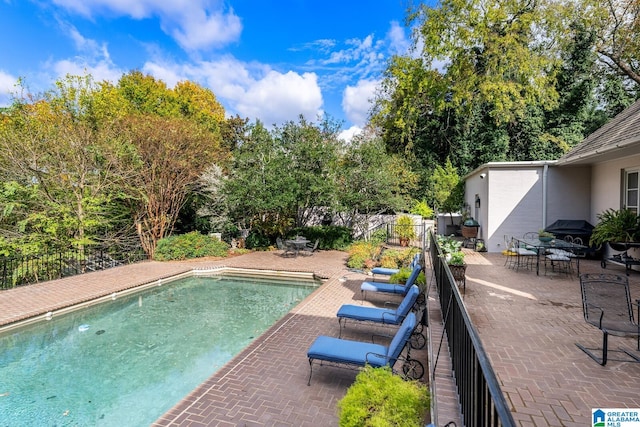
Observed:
{"x":128,"y":361}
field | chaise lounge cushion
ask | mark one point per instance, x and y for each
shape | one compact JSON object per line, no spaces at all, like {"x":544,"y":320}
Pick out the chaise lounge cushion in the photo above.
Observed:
{"x":381,"y":315}
{"x":360,"y":353}
{"x":384,"y":271}
{"x":394,"y":288}
{"x":345,"y":351}
{"x":391,"y":271}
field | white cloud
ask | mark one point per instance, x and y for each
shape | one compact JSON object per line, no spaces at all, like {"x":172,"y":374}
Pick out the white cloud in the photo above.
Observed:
{"x":251,"y":90}
{"x":282,"y":97}
{"x":93,"y":58}
{"x":7,"y":87}
{"x":398,"y":42}
{"x":99,"y":71}
{"x":348,"y":134}
{"x":356,"y":101}
{"x":194,"y":24}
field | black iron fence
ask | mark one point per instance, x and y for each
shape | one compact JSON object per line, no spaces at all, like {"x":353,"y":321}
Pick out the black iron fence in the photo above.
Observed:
{"x":481,"y":399}
{"x":23,"y":270}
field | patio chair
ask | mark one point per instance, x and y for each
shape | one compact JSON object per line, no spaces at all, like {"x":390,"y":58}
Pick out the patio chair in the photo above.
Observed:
{"x":393,"y":288}
{"x":383,"y":271}
{"x":519,"y":256}
{"x":310,"y":249}
{"x":342,"y":352}
{"x":560,"y":261}
{"x":285,"y":249}
{"x":606,"y":304}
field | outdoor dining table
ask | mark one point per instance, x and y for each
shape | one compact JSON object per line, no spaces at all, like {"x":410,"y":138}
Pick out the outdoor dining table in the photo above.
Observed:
{"x":297,"y":244}
{"x":541,"y":247}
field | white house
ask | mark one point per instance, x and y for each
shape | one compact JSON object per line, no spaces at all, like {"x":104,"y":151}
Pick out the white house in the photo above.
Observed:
{"x":602,"y":172}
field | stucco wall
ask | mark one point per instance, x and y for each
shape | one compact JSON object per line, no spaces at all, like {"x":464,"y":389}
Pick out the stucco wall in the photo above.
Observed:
{"x":515,"y":204}
{"x":606,"y":191}
{"x":568,"y":194}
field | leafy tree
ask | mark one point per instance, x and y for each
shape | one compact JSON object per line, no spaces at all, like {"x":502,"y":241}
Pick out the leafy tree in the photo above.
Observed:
{"x":260,"y":190}
{"x":170,"y":156}
{"x":371,"y":182}
{"x":311,"y":155}
{"x":278,"y":179}
{"x":616,"y":25}
{"x":492,"y":53}
{"x":63,"y":156}
{"x":445,"y":180}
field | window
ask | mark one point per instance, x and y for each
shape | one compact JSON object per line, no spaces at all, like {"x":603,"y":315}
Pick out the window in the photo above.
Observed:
{"x":631,"y":198}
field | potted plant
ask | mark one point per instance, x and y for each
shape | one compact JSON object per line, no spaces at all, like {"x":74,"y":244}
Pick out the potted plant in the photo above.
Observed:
{"x":405,"y":229}
{"x":545,"y":236}
{"x":449,"y":245}
{"x":614,"y":227}
{"x":457,"y":266}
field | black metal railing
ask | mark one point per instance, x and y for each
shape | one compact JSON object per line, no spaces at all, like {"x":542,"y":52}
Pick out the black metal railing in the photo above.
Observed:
{"x":481,"y":399}
{"x":27,"y":269}
{"x":395,"y":231}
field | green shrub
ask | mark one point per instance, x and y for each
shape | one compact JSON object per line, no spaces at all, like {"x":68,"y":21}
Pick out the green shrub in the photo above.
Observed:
{"x":190,"y":245}
{"x":379,"y":236}
{"x":389,"y":260}
{"x":403,"y":275}
{"x":421,"y":208}
{"x":379,"y":398}
{"x":392,"y":258}
{"x":360,"y":252}
{"x":256,"y":240}
{"x":331,"y":236}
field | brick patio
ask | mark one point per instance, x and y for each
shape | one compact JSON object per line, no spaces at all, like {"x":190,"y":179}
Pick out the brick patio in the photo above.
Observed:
{"x":528,"y":325}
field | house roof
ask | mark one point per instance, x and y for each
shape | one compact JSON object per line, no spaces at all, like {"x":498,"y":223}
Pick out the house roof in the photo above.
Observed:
{"x":510,"y":165}
{"x":618,"y":138}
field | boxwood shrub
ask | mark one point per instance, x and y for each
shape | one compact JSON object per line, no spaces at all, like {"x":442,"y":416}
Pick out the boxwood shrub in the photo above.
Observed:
{"x":190,"y":245}
{"x":380,"y":398}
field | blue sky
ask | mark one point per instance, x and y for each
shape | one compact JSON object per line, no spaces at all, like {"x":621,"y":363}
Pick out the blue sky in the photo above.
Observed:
{"x":267,"y":60}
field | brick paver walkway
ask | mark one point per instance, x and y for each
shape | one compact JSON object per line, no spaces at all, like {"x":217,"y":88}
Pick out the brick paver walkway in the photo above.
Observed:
{"x":528,"y":325}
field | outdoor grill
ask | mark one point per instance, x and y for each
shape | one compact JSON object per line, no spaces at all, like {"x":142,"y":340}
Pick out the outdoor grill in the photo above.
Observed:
{"x":574,"y":228}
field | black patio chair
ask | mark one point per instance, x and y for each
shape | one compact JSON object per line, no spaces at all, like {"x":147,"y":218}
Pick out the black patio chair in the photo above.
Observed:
{"x":310,"y":248}
{"x":285,"y":250}
{"x":606,"y":304}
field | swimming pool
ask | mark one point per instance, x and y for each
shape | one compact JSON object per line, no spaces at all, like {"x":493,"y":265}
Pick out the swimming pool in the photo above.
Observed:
{"x":128,"y":361}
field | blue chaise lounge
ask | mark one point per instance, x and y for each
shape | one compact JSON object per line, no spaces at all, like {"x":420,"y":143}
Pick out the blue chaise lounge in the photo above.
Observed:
{"x":379,"y":315}
{"x":384,"y":271}
{"x":393,"y":288}
{"x":348,"y":352}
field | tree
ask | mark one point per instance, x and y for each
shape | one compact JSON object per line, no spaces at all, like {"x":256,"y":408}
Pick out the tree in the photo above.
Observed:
{"x":57,"y":149}
{"x":370,"y":182}
{"x":492,"y":54}
{"x":170,"y":156}
{"x":616,"y":24}
{"x":445,"y":179}
{"x":279,"y":179}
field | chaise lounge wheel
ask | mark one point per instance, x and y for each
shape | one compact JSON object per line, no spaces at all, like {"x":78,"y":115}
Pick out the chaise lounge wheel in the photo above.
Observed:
{"x":418,"y":328}
{"x":413,"y":369}
{"x":417,"y":341}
